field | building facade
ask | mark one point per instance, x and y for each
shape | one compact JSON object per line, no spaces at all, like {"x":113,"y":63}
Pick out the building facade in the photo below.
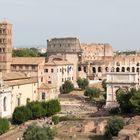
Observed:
{"x":57,"y":70}
{"x":5,"y":46}
{"x":69,"y":49}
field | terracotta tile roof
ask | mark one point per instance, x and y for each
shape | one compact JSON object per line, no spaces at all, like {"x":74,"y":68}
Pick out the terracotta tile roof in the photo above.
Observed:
{"x":13,"y":76}
{"x":27,"y":60}
{"x":21,"y":82}
{"x":45,"y":86}
{"x":57,"y":63}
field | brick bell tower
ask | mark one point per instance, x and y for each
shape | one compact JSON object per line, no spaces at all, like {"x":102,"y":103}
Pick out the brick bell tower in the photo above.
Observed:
{"x":5,"y":46}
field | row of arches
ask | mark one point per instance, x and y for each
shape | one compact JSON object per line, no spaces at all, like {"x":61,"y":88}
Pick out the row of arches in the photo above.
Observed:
{"x":117,"y":69}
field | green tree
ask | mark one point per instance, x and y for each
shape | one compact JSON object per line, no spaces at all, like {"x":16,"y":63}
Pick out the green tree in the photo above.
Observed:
{"x":36,"y":109}
{"x":104,"y":84}
{"x":34,"y":132}
{"x":53,"y":107}
{"x":67,"y":87}
{"x":92,"y":92}
{"x":26,"y":52}
{"x":135,"y":102}
{"x":55,"y":119}
{"x":4,"y":125}
{"x":21,"y":114}
{"x":114,"y":125}
{"x":123,"y":97}
{"x":82,"y":83}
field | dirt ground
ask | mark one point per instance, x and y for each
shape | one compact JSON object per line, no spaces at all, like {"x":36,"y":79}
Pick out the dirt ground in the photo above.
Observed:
{"x":72,"y":104}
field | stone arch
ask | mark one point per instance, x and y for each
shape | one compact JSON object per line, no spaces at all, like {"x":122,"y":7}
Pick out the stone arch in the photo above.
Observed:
{"x":123,"y":69}
{"x":112,"y":69}
{"x":117,"y":69}
{"x":99,"y":69}
{"x":133,"y":69}
{"x":138,"y":70}
{"x":107,"y":69}
{"x":138,"y":64}
{"x":128,"y":69}
{"x":4,"y":103}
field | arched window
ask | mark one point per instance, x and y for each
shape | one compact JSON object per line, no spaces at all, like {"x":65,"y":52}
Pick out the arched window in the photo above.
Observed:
{"x":128,"y":69}
{"x":99,"y":69}
{"x":138,"y":69}
{"x":112,"y":69}
{"x":133,"y":69}
{"x":107,"y":69}
{"x":117,"y":69}
{"x":4,"y":103}
{"x":138,"y":64}
{"x":123,"y":69}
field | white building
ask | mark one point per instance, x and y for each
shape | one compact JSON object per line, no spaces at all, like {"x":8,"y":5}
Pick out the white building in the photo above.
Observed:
{"x":57,"y":71}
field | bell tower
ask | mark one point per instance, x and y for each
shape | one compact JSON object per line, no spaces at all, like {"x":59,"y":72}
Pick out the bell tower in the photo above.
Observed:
{"x":5,"y":46}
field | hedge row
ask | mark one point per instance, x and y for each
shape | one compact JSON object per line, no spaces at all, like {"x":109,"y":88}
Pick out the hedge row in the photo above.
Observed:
{"x":35,"y":110}
{"x":4,"y":125}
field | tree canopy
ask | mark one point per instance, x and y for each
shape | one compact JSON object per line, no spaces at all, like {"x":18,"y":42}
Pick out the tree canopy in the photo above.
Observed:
{"x":82,"y":83}
{"x":27,"y":52}
{"x":35,"y":132}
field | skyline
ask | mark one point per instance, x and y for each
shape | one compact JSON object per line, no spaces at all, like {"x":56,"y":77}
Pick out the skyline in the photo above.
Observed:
{"x":92,"y":21}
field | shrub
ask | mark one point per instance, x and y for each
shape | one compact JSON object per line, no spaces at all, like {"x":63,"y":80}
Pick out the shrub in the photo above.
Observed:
{"x":67,"y":87}
{"x":92,"y":92}
{"x":114,"y":111}
{"x":53,"y":107}
{"x":69,"y":118}
{"x":82,"y":83}
{"x":21,"y":114}
{"x":34,"y":132}
{"x":114,"y":125}
{"x":55,"y":119}
{"x":36,"y":109}
{"x":4,"y":125}
{"x":45,"y":107}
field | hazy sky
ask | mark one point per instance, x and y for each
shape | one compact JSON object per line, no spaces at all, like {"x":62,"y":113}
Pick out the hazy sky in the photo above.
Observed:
{"x":98,"y":21}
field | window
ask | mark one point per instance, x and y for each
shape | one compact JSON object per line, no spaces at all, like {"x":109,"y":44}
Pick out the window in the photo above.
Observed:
{"x":26,"y":67}
{"x":43,"y":95}
{"x":99,"y":69}
{"x":20,"y":67}
{"x":94,"y":70}
{"x":49,"y":82}
{"x":33,"y":67}
{"x":4,"y":103}
{"x":14,"y":67}
{"x":41,"y":79}
{"x":62,"y":79}
{"x":133,"y":69}
{"x":79,"y":68}
{"x":117,"y":69}
{"x":51,"y":70}
{"x":18,"y":101}
{"x":46,"y":70}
